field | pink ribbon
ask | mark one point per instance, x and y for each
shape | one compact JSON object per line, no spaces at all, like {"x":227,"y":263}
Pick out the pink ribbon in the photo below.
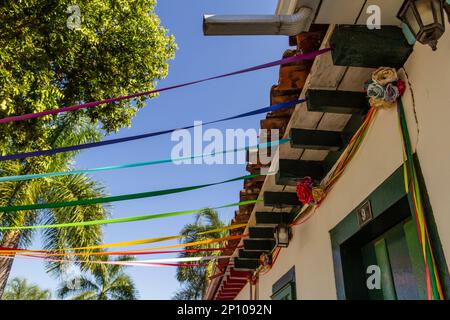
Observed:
{"x":306,"y":56}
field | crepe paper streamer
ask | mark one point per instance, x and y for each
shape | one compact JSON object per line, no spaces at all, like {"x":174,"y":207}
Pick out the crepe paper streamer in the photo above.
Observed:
{"x":138,"y":164}
{"x":125,"y":219}
{"x":412,"y":186}
{"x":105,"y":253}
{"x":125,"y":197}
{"x":145,"y":135}
{"x":306,"y":56}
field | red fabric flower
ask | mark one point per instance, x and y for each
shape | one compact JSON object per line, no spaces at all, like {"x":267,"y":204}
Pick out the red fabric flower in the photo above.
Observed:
{"x":304,"y":191}
{"x":401,"y":86}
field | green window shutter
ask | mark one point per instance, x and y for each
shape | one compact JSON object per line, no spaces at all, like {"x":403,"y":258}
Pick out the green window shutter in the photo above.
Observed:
{"x":286,"y":293}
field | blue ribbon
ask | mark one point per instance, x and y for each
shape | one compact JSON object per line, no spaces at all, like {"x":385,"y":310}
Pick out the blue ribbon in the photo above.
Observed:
{"x":143,"y":136}
{"x":138,"y":164}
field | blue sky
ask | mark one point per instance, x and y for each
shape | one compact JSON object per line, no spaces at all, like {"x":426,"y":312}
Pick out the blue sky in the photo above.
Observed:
{"x":198,"y":56}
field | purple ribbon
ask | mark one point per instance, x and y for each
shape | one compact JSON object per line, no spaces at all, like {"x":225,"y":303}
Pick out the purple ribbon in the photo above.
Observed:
{"x":306,"y":56}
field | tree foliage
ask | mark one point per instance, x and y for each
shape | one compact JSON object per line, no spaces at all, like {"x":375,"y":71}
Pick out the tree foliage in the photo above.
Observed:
{"x":67,"y":188}
{"x":104,"y":282}
{"x":20,"y":289}
{"x":118,"y":48}
{"x":194,"y":280}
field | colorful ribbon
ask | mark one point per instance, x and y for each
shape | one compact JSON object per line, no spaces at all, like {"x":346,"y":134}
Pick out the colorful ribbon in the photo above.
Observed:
{"x":128,"y":263}
{"x":265,"y":145}
{"x":350,"y":151}
{"x":125,"y":197}
{"x":126,"y":219}
{"x":306,"y":56}
{"x":104,"y":253}
{"x":158,"y":239}
{"x":12,"y":251}
{"x":143,"y":136}
{"x":412,"y":186}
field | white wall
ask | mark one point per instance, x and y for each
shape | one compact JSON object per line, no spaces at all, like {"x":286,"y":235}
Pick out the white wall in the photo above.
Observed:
{"x":379,"y":156}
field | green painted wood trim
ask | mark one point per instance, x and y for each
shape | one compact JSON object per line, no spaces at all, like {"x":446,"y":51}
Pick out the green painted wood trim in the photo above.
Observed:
{"x":338,"y":272}
{"x":258,"y":245}
{"x":382,"y":198}
{"x":261,"y":232}
{"x":390,"y":192}
{"x":281,"y":199}
{"x":290,"y":171}
{"x":287,"y":278}
{"x":250,"y":264}
{"x":357,"y":46}
{"x":249,"y":254}
{"x":287,"y":291}
{"x":387,"y":194}
{"x":387,"y":283}
{"x":316,"y":139}
{"x":335,"y":101}
{"x":274,"y":217}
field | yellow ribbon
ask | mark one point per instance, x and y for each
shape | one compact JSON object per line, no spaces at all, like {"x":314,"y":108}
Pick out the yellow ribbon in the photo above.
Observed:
{"x":127,"y":243}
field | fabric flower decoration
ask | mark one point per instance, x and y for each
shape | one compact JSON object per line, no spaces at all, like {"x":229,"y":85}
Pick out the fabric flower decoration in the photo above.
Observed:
{"x":304,"y":190}
{"x":367,"y":84}
{"x":384,"y":76}
{"x":376,"y":91}
{"x":265,"y":260}
{"x":401,"y":86}
{"x":380,"y":103}
{"x":318,"y":193}
{"x":392,"y":93}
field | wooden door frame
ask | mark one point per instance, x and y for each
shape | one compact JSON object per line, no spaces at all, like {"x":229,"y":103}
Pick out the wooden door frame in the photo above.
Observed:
{"x":348,"y":234}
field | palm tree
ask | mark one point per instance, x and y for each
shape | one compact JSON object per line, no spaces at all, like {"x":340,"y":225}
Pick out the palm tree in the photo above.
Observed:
{"x":69,"y":131}
{"x":105,"y":282}
{"x":194,"y":280}
{"x":19,"y":289}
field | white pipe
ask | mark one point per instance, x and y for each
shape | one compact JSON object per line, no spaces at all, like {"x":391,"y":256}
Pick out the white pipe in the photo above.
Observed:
{"x":230,"y":25}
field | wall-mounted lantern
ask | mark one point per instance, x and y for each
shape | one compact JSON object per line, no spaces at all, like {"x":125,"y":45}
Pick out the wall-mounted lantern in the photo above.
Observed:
{"x":425,"y":19}
{"x":283,"y":234}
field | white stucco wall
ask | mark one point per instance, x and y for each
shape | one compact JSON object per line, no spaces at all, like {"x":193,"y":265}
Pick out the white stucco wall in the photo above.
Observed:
{"x":379,"y":156}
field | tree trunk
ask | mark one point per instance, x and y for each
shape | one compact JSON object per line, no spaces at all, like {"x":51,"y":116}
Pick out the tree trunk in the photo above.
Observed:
{"x":10,"y":240}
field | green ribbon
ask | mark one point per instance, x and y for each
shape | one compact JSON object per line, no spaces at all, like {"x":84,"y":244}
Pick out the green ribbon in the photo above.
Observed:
{"x":124,"y":197}
{"x":127,"y":219}
{"x":138,"y":164}
{"x":413,"y":175}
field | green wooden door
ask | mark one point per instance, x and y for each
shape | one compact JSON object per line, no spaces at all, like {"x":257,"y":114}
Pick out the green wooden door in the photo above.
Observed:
{"x":397,"y":254}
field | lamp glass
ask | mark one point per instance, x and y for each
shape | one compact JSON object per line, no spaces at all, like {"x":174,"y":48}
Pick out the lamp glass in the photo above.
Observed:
{"x":437,"y":4}
{"x":447,"y":9}
{"x":425,"y":10}
{"x":282,"y":236}
{"x":412,"y":21}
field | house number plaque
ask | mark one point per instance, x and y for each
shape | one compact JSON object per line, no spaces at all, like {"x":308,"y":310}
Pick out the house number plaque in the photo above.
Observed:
{"x":364,"y":214}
